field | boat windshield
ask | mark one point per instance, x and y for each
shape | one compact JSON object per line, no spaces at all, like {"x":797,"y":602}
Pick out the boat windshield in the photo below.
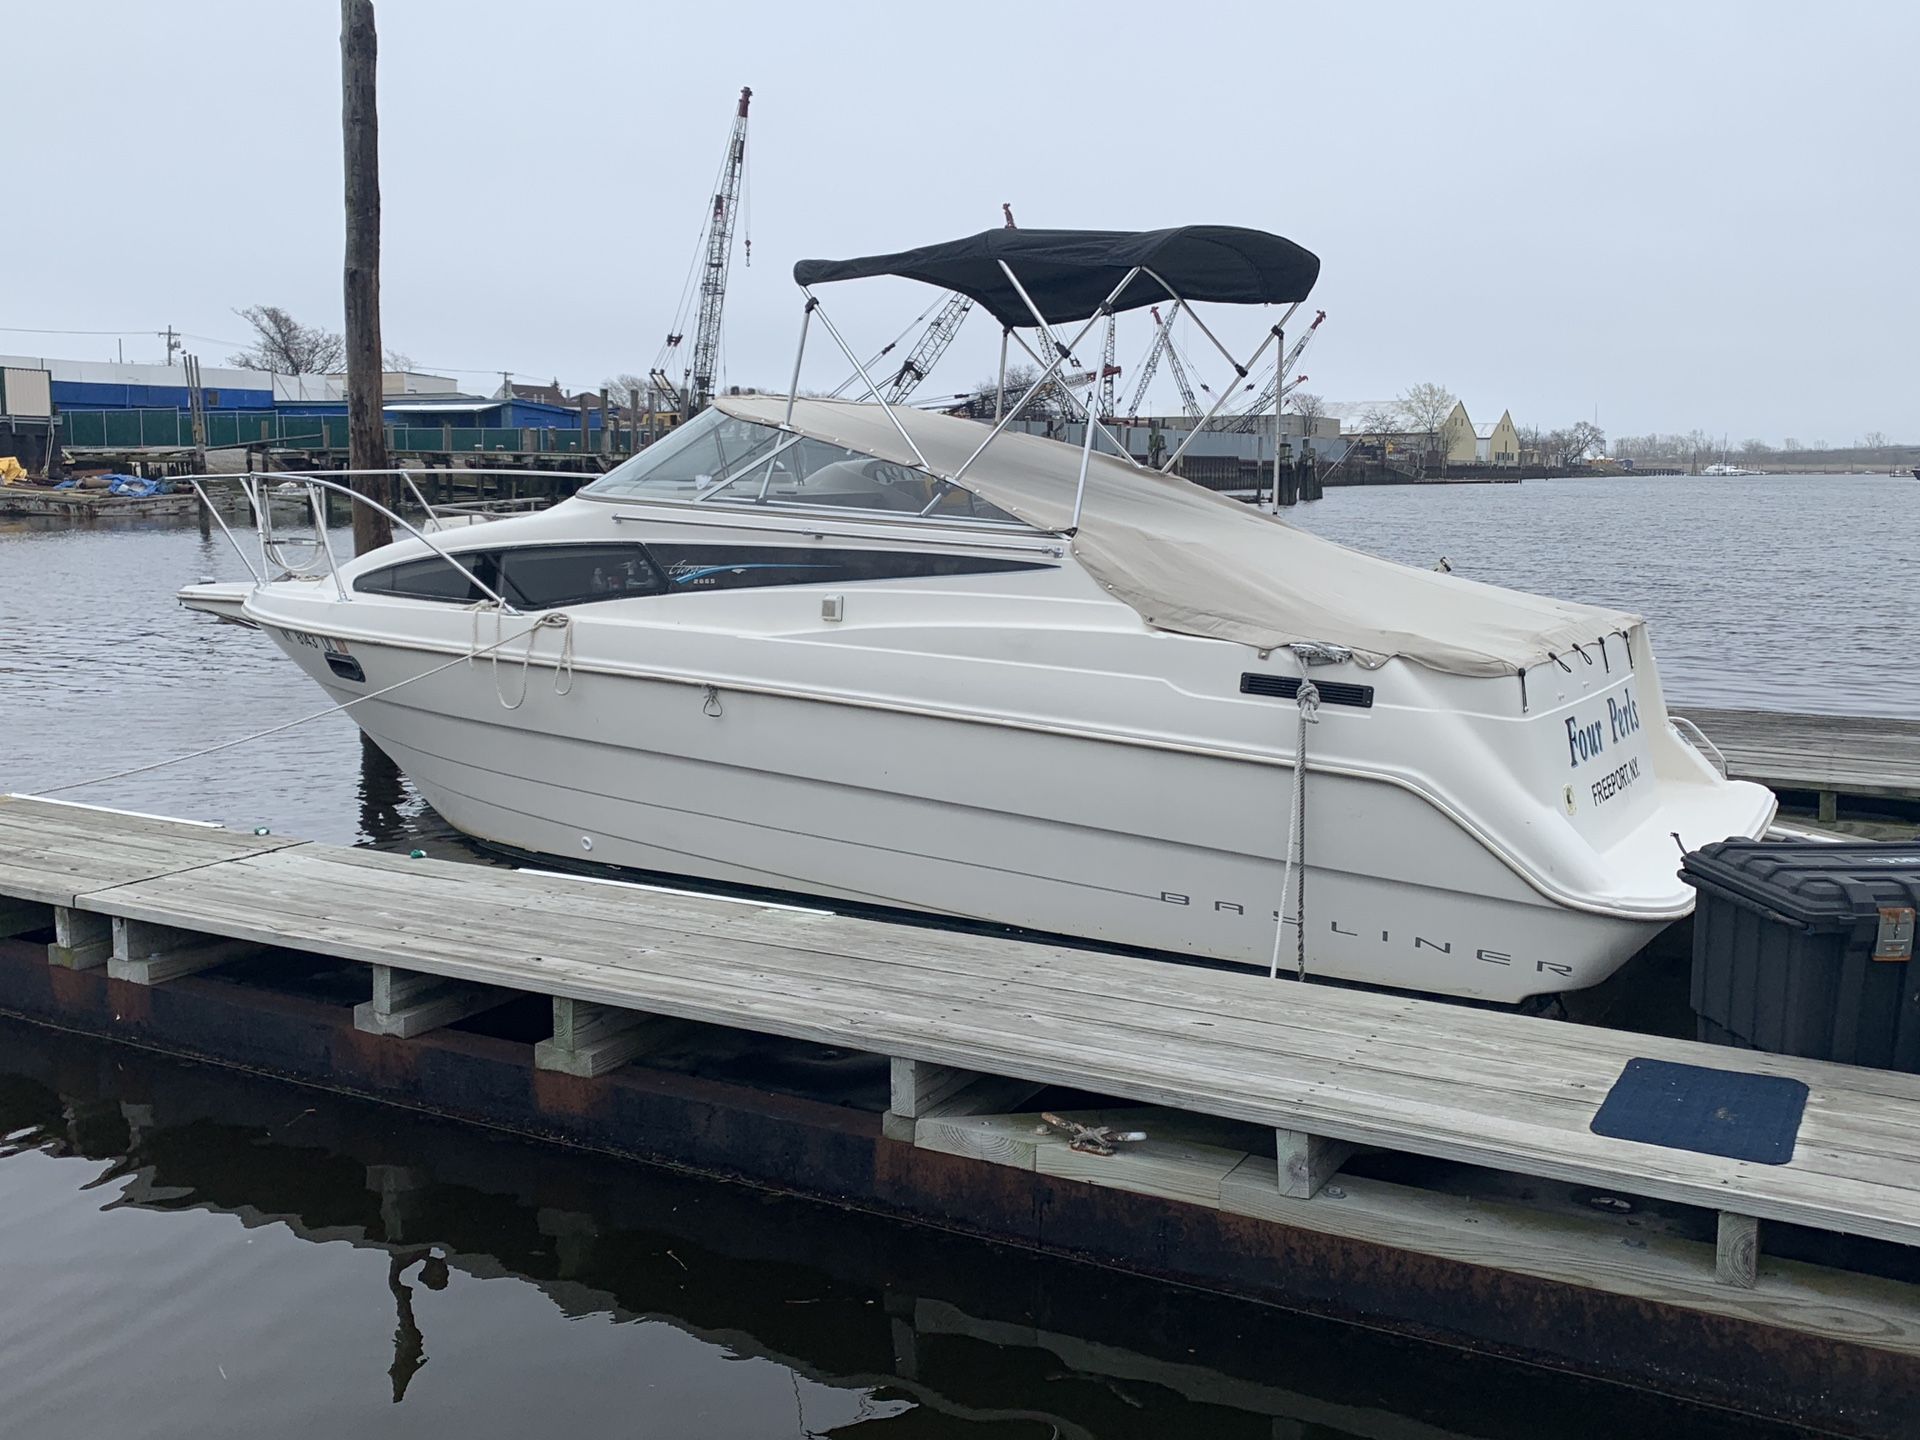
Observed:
{"x":717,"y":458}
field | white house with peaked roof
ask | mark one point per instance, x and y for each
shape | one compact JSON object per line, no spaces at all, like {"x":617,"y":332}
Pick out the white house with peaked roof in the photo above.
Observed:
{"x":1497,"y":443}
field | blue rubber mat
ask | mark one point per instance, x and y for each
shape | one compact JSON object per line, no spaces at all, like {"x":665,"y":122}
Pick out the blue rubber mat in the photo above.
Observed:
{"x":1712,"y":1112}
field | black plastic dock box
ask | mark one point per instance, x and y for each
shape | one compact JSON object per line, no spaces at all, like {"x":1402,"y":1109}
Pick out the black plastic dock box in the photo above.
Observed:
{"x":1805,"y":948}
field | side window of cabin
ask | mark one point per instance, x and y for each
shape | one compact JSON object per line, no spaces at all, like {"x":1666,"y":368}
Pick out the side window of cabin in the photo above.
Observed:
{"x":431,"y":578}
{"x":543,"y":577}
{"x":695,"y":567}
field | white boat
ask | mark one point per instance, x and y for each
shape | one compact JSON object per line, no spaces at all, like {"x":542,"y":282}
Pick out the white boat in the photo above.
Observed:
{"x":1724,"y":470}
{"x":855,"y":651}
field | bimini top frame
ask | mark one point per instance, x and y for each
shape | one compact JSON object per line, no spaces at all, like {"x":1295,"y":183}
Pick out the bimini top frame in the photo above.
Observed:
{"x":1047,"y":277}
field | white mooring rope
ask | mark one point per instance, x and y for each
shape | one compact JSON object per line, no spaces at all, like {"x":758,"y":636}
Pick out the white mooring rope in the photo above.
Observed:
{"x":1308,"y":698}
{"x":560,"y":618}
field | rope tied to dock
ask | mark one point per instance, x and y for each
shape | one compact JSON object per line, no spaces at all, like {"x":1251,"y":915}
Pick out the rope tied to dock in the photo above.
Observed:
{"x":466,"y":659}
{"x":1308,"y":699}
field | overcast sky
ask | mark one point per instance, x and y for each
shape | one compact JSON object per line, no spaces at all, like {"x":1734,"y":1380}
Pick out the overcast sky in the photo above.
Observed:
{"x":1670,"y":214}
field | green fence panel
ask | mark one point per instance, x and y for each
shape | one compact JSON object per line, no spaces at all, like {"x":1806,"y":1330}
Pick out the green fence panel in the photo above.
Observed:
{"x":300,"y":431}
{"x":84,"y":427}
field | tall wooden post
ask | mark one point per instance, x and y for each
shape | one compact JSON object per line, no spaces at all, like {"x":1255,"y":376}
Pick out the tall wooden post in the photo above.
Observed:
{"x":360,"y":129}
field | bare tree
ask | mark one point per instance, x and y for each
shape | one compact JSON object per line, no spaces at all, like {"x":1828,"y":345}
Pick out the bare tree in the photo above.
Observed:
{"x":396,"y":360}
{"x":1874,"y":440}
{"x":1048,"y":404}
{"x":1754,"y":451}
{"x":1790,"y":444}
{"x":1575,"y":443}
{"x":1427,"y":407}
{"x":286,"y":347}
{"x":1381,"y":420}
{"x":1308,"y":406}
{"x":626,"y":389}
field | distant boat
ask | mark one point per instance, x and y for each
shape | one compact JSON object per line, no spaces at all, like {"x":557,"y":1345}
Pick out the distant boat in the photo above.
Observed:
{"x":1724,"y":470}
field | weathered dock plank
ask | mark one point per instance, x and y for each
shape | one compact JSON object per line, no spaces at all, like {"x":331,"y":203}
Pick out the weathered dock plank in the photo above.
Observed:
{"x":53,"y":851}
{"x":1416,"y":1076}
{"x":1834,"y":754}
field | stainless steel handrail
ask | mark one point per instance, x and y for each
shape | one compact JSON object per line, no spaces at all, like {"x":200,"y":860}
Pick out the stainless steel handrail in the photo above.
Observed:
{"x":1697,"y":738}
{"x":261,"y":506}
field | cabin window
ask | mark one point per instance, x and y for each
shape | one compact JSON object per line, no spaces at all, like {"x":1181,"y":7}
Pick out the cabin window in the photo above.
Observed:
{"x":431,"y":578}
{"x":735,"y":567}
{"x":686,"y":462}
{"x":543,"y":577}
{"x":719,"y":459}
{"x":532,"y":577}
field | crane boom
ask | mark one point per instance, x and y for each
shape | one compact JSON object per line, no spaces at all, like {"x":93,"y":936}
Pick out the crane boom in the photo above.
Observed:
{"x":929,"y":348}
{"x":1187,"y":397}
{"x":713,"y":282}
{"x":1245,"y":421}
{"x":1150,"y":364}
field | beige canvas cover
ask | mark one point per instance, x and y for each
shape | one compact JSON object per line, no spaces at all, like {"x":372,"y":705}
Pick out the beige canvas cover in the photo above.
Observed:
{"x":1198,"y":563}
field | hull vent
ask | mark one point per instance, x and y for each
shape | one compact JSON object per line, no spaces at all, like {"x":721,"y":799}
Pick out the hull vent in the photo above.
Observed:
{"x":1285,"y":687}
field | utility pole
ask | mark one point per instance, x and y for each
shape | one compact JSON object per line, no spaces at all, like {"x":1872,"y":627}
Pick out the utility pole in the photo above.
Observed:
{"x":360,"y":129}
{"x":173,"y":344}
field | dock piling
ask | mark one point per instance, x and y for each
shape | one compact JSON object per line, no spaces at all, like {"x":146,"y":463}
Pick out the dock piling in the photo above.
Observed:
{"x":590,"y":1040}
{"x":1308,"y":1161}
{"x":82,"y":940}
{"x":407,"y":1003}
{"x":1737,"y":1250}
{"x":148,"y":954}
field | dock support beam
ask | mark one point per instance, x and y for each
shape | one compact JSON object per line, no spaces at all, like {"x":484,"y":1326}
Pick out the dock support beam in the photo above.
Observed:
{"x":1829,"y":806}
{"x":406,"y":1003}
{"x":148,"y":954}
{"x":590,"y":1040}
{"x":1737,"y":1251}
{"x":923,"y":1091}
{"x":1308,"y":1161}
{"x":81,"y":939}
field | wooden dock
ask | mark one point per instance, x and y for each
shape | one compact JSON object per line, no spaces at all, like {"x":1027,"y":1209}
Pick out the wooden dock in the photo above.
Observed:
{"x":1829,"y":756}
{"x":1254,"y":1094}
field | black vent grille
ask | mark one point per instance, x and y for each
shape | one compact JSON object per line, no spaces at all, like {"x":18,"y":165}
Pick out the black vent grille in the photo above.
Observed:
{"x":1286,"y":687}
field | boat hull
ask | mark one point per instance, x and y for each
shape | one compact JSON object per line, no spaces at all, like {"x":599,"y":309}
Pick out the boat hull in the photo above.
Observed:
{"x":1161,"y":848}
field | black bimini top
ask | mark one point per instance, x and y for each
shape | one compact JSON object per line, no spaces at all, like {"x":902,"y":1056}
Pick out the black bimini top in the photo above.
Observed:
{"x":1070,"y":272}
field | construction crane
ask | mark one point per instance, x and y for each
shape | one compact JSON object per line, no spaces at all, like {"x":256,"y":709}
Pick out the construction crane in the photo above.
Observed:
{"x":931,"y":345}
{"x":1163,"y":346}
{"x":1248,"y":418}
{"x":1187,"y":398}
{"x":1109,"y":373}
{"x":713,"y":282}
{"x":938,"y":336}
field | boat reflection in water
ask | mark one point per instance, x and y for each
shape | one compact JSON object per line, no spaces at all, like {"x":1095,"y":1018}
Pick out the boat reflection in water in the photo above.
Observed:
{"x":489,"y":1285}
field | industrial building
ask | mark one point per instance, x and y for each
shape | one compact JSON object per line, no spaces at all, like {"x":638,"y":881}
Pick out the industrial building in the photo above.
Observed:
{"x":122,"y":408}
